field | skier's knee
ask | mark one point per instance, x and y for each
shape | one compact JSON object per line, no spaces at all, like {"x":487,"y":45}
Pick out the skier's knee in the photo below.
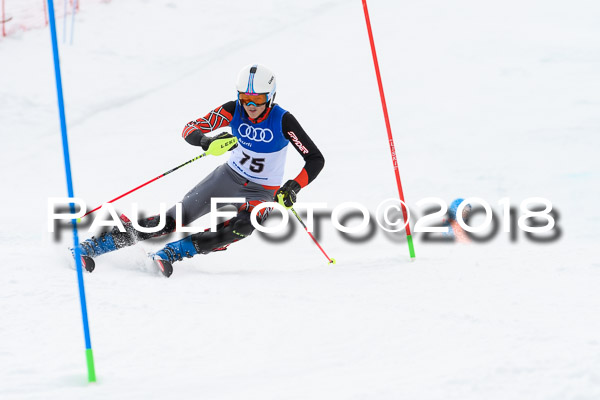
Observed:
{"x":244,"y":215}
{"x":153,"y":222}
{"x":242,"y":227}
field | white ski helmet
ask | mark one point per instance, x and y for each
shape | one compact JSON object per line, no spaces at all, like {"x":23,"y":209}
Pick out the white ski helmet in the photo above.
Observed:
{"x":256,"y":79}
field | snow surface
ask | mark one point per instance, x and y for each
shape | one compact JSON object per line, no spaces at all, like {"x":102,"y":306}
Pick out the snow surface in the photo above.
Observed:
{"x":486,"y":99}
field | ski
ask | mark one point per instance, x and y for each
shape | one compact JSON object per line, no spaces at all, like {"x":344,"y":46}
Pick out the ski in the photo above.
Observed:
{"x":88,"y":263}
{"x":164,"y":266}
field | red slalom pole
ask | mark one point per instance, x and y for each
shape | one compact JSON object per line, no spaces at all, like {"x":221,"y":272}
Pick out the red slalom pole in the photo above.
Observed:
{"x":4,"y":20}
{"x":411,"y":247}
{"x":46,"y":13}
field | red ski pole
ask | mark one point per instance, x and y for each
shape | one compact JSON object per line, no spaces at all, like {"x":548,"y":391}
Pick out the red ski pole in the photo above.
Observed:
{"x":330,"y":260}
{"x":215,"y":149}
{"x":147,"y":183}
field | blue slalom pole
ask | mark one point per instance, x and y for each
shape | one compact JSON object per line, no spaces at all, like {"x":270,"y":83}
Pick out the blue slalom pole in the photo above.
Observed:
{"x":63,"y":127}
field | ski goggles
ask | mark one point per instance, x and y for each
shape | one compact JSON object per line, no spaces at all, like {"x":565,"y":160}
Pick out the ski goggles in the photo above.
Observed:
{"x":256,"y":100}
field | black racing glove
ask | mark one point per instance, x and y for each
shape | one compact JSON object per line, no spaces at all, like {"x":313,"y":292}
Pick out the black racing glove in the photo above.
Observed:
{"x":286,"y":195}
{"x":223,"y":137}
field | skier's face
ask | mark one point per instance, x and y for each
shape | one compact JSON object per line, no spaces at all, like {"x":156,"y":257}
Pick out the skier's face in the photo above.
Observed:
{"x":253,"y":110}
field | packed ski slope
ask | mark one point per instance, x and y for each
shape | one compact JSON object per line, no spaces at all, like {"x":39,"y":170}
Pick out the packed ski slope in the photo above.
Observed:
{"x":487,"y":100}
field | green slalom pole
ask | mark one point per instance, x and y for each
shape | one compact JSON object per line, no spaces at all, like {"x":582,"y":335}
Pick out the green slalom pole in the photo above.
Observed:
{"x":89,"y":356}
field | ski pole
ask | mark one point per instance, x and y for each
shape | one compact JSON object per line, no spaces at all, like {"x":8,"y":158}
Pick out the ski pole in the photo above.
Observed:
{"x":215,"y":149}
{"x":330,"y":260}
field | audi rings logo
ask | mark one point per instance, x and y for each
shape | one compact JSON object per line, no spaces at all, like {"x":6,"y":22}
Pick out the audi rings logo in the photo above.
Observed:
{"x":255,"y":134}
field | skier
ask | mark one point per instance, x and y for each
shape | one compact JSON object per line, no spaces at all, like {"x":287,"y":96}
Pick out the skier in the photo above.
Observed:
{"x":455,"y":231}
{"x":254,"y":171}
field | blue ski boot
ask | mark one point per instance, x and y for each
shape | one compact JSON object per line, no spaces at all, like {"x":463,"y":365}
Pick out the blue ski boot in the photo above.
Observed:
{"x":93,"y":247}
{"x":107,"y":242}
{"x":174,"y":251}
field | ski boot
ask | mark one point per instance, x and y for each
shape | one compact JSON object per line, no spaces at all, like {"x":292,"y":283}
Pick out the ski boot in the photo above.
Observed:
{"x":106,"y":242}
{"x":174,"y":251}
{"x":94,"y":247}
